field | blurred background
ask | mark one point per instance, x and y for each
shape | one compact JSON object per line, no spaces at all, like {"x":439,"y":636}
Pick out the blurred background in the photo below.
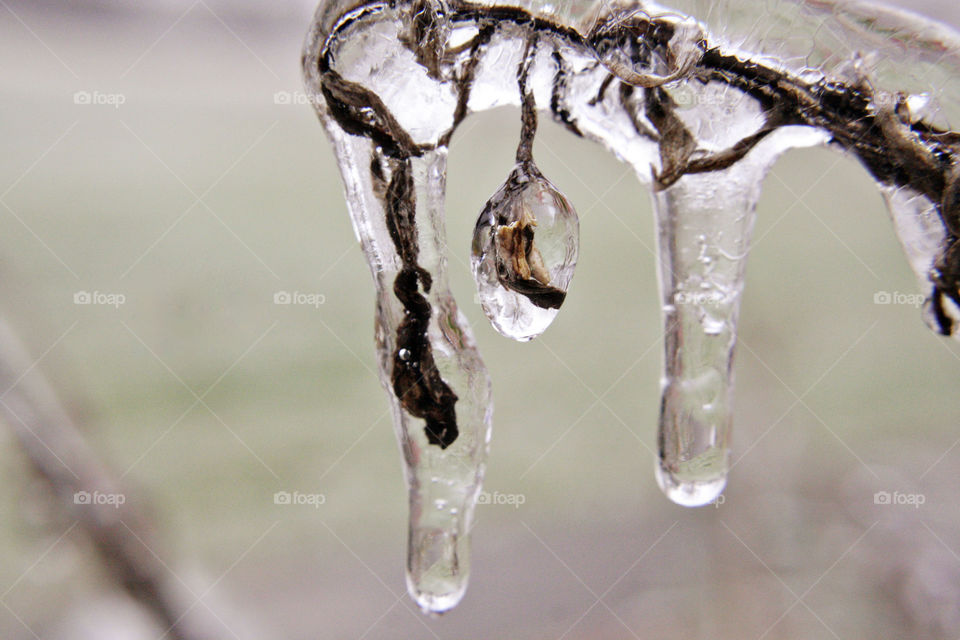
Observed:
{"x":193,"y":183}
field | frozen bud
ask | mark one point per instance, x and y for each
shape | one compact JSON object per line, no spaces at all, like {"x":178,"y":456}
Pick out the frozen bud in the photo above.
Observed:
{"x":525,"y":249}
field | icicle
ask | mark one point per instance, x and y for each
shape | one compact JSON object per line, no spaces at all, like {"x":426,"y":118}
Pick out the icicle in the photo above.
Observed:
{"x":429,"y":365}
{"x":703,"y":248}
{"x":438,"y":387}
{"x":705,"y":221}
{"x":526,"y":240}
{"x":445,"y":475}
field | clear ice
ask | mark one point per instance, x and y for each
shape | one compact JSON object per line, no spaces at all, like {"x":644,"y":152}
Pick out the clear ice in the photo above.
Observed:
{"x":701,"y":112}
{"x":525,"y":249}
{"x":527,"y":238}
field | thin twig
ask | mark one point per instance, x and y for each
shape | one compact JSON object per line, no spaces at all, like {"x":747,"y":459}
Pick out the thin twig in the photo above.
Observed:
{"x":121,"y":533}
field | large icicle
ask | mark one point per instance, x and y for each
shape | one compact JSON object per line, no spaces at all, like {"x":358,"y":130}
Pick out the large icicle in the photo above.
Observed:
{"x":705,"y":221}
{"x":438,"y":386}
{"x":704,"y":232}
{"x":443,"y":475}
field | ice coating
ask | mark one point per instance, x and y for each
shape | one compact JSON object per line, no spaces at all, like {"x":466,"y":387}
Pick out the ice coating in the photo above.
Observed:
{"x":525,"y":248}
{"x":434,"y":377}
{"x":705,"y":223}
{"x":443,"y":481}
{"x":527,"y":238}
{"x":699,"y":118}
{"x":918,"y":226}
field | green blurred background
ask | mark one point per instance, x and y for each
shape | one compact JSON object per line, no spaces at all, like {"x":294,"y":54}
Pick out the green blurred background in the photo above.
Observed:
{"x":212,"y":187}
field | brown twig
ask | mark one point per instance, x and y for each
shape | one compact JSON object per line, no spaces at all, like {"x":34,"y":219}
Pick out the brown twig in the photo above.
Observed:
{"x":121,"y":533}
{"x":894,"y":150}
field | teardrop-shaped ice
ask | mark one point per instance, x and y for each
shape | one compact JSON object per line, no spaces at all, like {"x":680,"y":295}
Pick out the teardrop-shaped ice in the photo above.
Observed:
{"x":525,"y":249}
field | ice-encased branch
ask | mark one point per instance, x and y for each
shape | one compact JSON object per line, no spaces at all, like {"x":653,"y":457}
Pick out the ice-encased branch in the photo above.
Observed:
{"x":394,"y":80}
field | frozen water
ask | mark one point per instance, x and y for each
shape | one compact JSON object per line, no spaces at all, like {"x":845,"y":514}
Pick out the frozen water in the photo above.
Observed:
{"x":699,"y":109}
{"x":524,"y":252}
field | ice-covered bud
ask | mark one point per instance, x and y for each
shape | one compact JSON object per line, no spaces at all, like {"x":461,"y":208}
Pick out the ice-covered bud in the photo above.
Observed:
{"x":525,"y":249}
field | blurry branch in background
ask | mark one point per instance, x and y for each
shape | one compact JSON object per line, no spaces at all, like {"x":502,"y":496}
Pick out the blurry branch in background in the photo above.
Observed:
{"x":86,"y":489}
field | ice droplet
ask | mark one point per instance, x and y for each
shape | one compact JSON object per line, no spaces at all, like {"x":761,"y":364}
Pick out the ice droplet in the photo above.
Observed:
{"x":525,"y":247}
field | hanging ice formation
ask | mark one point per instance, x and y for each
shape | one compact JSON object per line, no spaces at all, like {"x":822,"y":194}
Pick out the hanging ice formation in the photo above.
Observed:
{"x":700,"y":119}
{"x":527,"y":238}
